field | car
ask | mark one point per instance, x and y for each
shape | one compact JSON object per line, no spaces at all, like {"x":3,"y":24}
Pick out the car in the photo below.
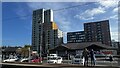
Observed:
{"x":78,"y":60}
{"x":52,"y":55}
{"x":56,"y":59}
{"x":36,"y":60}
{"x":24,"y":60}
{"x":11,"y":60}
{"x":109,"y":57}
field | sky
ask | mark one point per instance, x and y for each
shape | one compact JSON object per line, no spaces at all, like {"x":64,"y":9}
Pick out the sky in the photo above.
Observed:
{"x":17,"y":18}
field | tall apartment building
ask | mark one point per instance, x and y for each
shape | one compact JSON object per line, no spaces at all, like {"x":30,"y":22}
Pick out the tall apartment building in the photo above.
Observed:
{"x":98,"y":32}
{"x":44,"y":31}
{"x":53,"y":36}
{"x":60,"y":36}
{"x":76,"y":37}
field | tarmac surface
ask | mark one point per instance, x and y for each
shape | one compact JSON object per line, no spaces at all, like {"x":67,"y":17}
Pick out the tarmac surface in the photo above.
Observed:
{"x":31,"y":65}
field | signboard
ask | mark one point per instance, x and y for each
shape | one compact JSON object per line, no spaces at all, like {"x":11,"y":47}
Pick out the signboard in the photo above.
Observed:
{"x":112,"y":52}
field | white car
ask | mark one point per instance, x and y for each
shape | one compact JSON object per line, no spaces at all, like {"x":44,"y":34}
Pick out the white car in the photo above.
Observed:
{"x":54,"y":60}
{"x":52,"y":55}
{"x":78,"y":60}
{"x":11,"y":60}
{"x":24,"y":60}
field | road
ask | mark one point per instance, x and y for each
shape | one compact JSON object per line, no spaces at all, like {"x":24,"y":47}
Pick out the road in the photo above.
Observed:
{"x":21,"y":65}
{"x":67,"y":64}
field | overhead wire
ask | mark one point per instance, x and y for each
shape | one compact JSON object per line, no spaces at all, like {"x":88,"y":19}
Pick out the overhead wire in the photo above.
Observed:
{"x":53,"y":10}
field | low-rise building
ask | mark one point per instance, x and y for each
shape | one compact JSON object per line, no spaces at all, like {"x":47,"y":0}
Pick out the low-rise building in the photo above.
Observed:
{"x":77,"y":48}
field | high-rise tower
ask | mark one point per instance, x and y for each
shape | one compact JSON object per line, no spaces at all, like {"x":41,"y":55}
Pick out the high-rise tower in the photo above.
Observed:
{"x":45,"y":32}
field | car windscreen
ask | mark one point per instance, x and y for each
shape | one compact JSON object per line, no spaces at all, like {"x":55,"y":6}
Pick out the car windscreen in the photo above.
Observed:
{"x":77,"y":56}
{"x":53,"y":58}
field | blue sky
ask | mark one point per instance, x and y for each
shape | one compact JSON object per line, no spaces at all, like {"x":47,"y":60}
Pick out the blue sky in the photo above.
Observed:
{"x":17,"y":18}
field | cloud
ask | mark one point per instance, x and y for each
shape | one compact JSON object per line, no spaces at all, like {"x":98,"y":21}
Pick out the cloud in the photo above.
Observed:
{"x":46,"y":5}
{"x":112,"y":4}
{"x":108,"y":4}
{"x":53,"y":0}
{"x":114,"y":17}
{"x":114,"y":30}
{"x":22,"y":12}
{"x":114,"y":35}
{"x":90,"y":13}
{"x":115,"y":9}
{"x":63,"y":23}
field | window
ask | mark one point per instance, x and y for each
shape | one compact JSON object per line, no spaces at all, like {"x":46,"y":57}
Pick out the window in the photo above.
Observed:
{"x":98,"y":23}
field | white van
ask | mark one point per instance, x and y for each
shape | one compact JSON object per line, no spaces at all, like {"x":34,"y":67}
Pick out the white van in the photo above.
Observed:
{"x":53,"y":58}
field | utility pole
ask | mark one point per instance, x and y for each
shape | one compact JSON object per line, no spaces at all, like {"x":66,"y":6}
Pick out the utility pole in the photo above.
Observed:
{"x":29,"y":54}
{"x":41,"y":37}
{"x":68,"y":58}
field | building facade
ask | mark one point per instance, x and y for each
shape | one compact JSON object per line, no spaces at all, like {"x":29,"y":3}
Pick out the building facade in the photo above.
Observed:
{"x":98,"y":32}
{"x":118,"y":49}
{"x":37,"y":30}
{"x":76,"y":37}
{"x":60,"y":36}
{"x":53,"y":36}
{"x":44,"y":31}
{"x":115,"y":44}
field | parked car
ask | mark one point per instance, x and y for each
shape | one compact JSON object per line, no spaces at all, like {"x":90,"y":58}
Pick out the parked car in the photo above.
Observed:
{"x":11,"y":59}
{"x":24,"y":60}
{"x":54,"y":60}
{"x":52,"y":55}
{"x":77,"y":60}
{"x":36,"y":60}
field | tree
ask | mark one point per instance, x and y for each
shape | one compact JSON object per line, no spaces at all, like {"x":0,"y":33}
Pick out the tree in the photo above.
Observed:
{"x":24,"y":51}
